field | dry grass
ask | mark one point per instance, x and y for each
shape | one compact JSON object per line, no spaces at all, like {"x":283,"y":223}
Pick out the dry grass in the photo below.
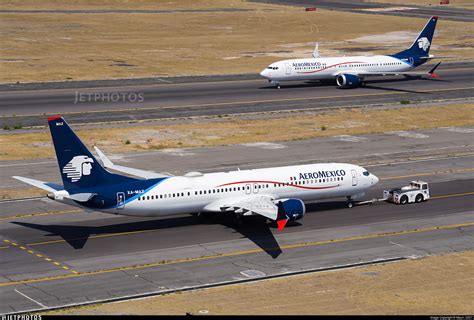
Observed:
{"x":123,"y":4}
{"x":236,"y":130}
{"x":433,"y":285}
{"x":468,"y":4}
{"x":18,"y":193}
{"x":42,"y":47}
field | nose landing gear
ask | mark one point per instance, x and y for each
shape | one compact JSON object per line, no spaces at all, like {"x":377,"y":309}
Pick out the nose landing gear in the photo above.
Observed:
{"x":349,"y":202}
{"x":275,"y":83}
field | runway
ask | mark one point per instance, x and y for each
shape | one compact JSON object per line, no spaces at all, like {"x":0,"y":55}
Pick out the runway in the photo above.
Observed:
{"x":446,"y":12}
{"x":208,"y":98}
{"x":95,"y":256}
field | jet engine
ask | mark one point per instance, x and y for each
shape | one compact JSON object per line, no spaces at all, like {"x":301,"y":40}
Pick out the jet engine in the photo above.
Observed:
{"x":348,"y":81}
{"x":294,"y":209}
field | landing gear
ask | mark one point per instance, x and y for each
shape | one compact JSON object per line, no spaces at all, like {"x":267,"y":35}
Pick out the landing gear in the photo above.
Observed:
{"x":276,"y":84}
{"x":349,"y":202}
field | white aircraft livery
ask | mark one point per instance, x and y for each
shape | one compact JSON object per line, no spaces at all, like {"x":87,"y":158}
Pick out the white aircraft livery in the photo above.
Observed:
{"x":350,"y":72}
{"x":275,"y":193}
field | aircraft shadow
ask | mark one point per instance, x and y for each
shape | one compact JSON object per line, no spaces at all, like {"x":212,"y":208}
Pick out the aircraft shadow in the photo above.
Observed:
{"x":256,"y":230}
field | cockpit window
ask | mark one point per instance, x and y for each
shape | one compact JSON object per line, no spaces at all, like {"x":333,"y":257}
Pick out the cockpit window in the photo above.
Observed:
{"x":273,"y":68}
{"x":366,"y":173}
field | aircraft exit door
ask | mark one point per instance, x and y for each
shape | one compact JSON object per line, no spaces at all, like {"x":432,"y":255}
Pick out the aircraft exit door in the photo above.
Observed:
{"x":354,"y":177}
{"x":120,"y":200}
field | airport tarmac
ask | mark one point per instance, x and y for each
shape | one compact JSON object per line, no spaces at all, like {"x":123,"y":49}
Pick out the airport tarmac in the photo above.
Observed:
{"x":63,"y":256}
{"x":446,"y":12}
{"x":188,"y":99}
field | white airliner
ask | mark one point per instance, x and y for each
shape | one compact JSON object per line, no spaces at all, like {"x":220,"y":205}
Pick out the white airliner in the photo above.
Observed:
{"x":350,"y":72}
{"x":275,"y":193}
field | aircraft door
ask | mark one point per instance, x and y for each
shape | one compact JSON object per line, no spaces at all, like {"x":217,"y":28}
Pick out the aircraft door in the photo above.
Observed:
{"x":255,"y":188}
{"x":287,"y":68}
{"x":354,"y":177}
{"x":120,"y":200}
{"x":247,"y":189}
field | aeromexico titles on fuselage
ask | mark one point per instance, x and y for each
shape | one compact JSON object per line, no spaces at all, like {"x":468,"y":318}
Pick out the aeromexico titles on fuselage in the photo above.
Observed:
{"x":322,"y":174}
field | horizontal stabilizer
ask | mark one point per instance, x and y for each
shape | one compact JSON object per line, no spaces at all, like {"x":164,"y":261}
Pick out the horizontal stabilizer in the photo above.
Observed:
{"x":50,"y":187}
{"x":132,"y":171}
{"x":81,"y":197}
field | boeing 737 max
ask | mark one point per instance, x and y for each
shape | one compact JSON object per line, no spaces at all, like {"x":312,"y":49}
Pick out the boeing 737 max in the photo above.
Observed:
{"x":351,"y":71}
{"x":275,"y":193}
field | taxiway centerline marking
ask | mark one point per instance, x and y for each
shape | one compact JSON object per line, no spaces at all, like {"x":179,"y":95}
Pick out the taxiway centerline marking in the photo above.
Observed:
{"x":32,"y":252}
{"x":30,"y":215}
{"x":427,"y":174}
{"x":238,"y":253}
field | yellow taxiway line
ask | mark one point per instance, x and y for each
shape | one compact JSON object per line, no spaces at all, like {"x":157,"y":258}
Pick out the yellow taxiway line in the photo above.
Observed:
{"x":40,"y":214}
{"x":41,"y":256}
{"x":236,"y":253}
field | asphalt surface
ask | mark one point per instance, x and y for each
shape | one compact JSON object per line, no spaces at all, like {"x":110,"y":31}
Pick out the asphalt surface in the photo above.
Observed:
{"x":177,"y":100}
{"x":445,"y":12}
{"x":95,"y":256}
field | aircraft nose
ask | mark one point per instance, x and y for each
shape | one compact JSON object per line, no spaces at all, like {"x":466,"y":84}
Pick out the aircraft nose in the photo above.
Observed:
{"x":264,"y":73}
{"x":375,"y":179}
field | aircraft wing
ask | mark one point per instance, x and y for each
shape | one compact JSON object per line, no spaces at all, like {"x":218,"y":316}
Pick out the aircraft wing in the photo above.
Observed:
{"x":262,"y":205}
{"x":132,"y":171}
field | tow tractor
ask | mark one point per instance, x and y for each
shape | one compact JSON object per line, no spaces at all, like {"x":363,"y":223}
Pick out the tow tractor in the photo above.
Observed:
{"x":417,"y":191}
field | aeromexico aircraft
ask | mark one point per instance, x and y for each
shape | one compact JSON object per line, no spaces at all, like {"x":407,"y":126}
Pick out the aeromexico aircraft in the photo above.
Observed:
{"x":350,"y":72}
{"x":275,"y":193}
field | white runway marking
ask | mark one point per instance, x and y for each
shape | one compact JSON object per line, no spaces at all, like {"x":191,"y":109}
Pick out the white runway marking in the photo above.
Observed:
{"x":253,"y":273}
{"x":459,"y":130}
{"x":389,"y":9}
{"x":177,"y":152}
{"x":31,"y":299}
{"x":265,"y":145}
{"x":407,"y":134}
{"x":350,"y":138}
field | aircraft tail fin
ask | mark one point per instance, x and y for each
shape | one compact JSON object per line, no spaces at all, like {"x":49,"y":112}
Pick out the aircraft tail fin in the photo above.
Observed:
{"x":78,"y":167}
{"x":418,"y":52}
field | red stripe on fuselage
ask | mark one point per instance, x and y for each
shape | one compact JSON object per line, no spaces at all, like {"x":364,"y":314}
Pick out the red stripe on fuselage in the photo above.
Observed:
{"x":334,"y":65}
{"x":284,"y":183}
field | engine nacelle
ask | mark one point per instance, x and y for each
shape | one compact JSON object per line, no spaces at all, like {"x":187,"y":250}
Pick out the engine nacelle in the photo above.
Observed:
{"x":294,"y":209}
{"x":348,"y":81}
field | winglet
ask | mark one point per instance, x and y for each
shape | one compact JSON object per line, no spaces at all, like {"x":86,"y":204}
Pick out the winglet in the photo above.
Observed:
{"x":432,"y":71}
{"x":106,"y":161}
{"x":281,"y":224}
